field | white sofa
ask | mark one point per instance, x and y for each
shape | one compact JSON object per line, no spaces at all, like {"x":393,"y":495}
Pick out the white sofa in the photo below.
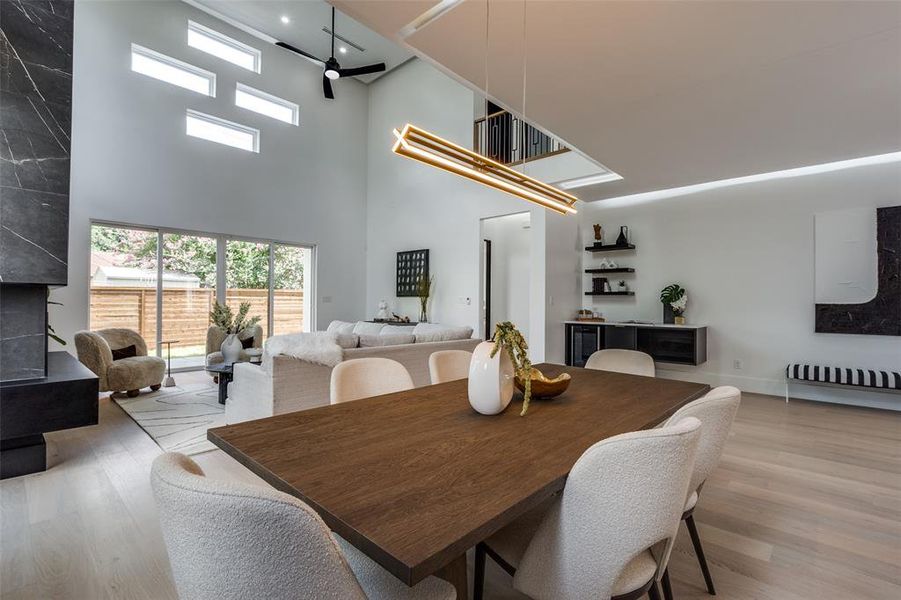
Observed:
{"x":290,"y":384}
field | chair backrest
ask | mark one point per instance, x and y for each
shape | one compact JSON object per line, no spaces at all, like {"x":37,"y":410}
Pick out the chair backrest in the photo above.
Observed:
{"x":632,"y":362}
{"x":449,"y":365}
{"x":623,"y":496}
{"x":215,"y":335}
{"x":716,"y":411}
{"x":121,"y":338}
{"x":367,"y":377}
{"x":234,"y":540}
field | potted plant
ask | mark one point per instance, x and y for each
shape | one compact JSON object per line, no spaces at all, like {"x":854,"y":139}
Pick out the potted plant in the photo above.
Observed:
{"x":423,"y":291}
{"x":674,"y":300}
{"x":232,"y":324}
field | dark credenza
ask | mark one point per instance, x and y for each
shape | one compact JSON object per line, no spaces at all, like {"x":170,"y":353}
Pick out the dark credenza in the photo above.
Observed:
{"x":677,"y":344}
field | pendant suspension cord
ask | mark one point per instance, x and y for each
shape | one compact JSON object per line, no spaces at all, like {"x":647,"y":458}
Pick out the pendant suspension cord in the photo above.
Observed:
{"x":333,"y":32}
{"x":487,"y":46}
{"x":525,"y":54}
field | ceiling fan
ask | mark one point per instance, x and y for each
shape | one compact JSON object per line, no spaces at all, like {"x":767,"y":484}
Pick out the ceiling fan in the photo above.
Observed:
{"x":331,"y":68}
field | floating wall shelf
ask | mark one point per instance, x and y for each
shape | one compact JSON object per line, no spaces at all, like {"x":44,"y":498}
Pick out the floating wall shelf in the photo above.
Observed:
{"x":609,"y":293}
{"x":616,"y":270}
{"x":609,"y":248}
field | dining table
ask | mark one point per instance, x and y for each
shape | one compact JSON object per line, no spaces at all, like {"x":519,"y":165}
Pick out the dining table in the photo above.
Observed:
{"x":414,"y":479}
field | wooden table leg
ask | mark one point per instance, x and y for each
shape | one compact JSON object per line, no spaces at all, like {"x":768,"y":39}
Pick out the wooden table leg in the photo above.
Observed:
{"x":455,"y":573}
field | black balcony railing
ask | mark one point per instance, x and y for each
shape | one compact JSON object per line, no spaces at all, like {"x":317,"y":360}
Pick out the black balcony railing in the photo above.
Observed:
{"x":504,"y":137}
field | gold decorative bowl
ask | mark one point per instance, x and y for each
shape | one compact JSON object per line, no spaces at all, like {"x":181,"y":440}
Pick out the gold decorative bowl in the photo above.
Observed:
{"x":543,"y":386}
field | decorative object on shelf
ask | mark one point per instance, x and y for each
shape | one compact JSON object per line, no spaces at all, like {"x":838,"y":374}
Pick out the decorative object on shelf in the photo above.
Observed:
{"x":669,"y":296}
{"x":599,"y":284}
{"x":383,"y":314}
{"x":679,"y":308}
{"x":430,"y":149}
{"x":399,"y":318}
{"x":598,"y":234}
{"x":544,"y":386}
{"x":621,"y":286}
{"x":412,"y":265}
{"x":423,"y":290}
{"x":606,"y":263}
{"x":623,"y":238}
{"x":233,"y":324}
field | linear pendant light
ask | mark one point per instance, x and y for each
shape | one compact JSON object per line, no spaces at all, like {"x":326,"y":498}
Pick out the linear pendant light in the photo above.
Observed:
{"x":419,"y":144}
{"x":430,"y":149}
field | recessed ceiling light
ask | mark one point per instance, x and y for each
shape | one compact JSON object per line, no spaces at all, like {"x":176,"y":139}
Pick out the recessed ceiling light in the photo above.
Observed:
{"x":342,"y":50}
{"x":285,"y":19}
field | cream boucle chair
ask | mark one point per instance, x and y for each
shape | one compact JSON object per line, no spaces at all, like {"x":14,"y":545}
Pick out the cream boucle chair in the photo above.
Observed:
{"x":367,"y":377}
{"x":609,"y":532}
{"x":449,"y":365}
{"x":215,"y":335}
{"x":632,"y":362}
{"x":716,"y":411}
{"x":95,"y":351}
{"x":234,"y":540}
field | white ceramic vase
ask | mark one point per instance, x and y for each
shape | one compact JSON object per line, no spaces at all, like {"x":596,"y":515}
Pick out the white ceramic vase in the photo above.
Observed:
{"x":231,"y":349}
{"x":490,"y":380}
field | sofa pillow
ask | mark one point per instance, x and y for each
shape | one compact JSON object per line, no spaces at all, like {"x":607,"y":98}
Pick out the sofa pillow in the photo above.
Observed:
{"x":375,"y":341}
{"x":347,"y":340}
{"x":433,"y":332}
{"x":126,"y":352}
{"x":364,"y":328}
{"x":340,"y":327}
{"x":247,"y":344}
{"x":397,"y":330}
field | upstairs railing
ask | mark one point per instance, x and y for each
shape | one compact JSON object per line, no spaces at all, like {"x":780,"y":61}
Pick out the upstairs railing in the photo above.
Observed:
{"x":504,"y":137}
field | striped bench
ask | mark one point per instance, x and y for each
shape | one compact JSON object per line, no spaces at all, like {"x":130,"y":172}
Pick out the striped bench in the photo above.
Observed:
{"x":866,"y":378}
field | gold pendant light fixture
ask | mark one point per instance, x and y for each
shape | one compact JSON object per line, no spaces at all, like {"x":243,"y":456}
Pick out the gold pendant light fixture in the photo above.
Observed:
{"x":419,"y":144}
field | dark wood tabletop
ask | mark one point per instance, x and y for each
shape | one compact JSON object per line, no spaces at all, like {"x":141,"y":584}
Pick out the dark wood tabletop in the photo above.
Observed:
{"x":416,"y":478}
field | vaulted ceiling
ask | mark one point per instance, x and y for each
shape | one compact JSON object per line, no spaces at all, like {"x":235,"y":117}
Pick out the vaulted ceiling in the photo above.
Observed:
{"x":675,"y":93}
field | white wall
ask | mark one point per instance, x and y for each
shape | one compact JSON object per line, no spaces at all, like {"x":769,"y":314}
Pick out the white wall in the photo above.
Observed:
{"x":511,"y":241}
{"x":745,"y":256}
{"x":132,"y":162}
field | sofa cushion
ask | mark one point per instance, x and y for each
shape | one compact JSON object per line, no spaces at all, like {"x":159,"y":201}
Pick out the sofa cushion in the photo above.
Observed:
{"x":340,"y":327}
{"x":364,"y":328}
{"x":433,"y":332}
{"x":135,"y":372}
{"x":126,"y":352}
{"x":397,"y":330}
{"x":374,"y":341}
{"x":347,"y":340}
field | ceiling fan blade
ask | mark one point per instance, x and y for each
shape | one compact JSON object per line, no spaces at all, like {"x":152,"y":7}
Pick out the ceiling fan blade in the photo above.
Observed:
{"x":327,"y":87}
{"x":299,"y":51}
{"x":376,"y":68}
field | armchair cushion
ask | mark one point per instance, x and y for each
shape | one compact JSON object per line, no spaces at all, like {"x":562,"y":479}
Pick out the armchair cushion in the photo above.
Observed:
{"x":135,"y":373}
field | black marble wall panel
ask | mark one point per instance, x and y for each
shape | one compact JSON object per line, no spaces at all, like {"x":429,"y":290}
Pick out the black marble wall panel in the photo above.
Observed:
{"x":882,"y":314}
{"x":35,"y":130}
{"x":23,"y":327}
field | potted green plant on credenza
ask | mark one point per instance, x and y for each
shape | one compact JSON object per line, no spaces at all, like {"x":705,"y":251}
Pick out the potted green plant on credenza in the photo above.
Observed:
{"x":674,"y":300}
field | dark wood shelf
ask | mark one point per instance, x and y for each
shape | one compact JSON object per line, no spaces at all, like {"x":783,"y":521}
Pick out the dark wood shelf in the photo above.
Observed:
{"x":616,"y":270}
{"x":609,"y":293}
{"x":609,"y":248}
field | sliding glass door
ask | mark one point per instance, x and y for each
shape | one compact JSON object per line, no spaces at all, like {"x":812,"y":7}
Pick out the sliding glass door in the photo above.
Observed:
{"x":162,"y":283}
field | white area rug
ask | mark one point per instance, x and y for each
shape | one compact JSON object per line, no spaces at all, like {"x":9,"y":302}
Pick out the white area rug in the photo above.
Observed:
{"x":177,"y":418}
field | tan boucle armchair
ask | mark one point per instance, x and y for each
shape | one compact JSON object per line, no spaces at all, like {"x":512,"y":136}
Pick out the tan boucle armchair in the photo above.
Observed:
{"x":215,"y":335}
{"x":126,"y":374}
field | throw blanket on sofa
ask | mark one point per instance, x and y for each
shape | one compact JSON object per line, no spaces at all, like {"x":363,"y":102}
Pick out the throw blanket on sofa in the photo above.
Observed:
{"x":317,"y":347}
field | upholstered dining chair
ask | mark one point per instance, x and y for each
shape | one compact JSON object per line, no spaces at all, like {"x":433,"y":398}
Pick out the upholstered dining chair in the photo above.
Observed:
{"x":716,"y":411}
{"x":632,"y":362}
{"x":449,"y":365}
{"x":366,"y":377}
{"x":235,"y":540}
{"x":100,"y":352}
{"x":608,"y":533}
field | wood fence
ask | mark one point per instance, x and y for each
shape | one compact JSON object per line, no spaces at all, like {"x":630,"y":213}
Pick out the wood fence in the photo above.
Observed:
{"x":186,"y":311}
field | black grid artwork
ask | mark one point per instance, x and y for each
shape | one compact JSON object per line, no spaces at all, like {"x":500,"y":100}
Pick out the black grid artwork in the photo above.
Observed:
{"x":412,"y":266}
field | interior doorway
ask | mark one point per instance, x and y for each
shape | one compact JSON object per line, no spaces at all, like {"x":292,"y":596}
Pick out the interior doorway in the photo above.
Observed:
{"x":506,"y":267}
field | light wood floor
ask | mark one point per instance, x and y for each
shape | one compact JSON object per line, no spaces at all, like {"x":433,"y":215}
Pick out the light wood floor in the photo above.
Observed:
{"x":806,"y":504}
